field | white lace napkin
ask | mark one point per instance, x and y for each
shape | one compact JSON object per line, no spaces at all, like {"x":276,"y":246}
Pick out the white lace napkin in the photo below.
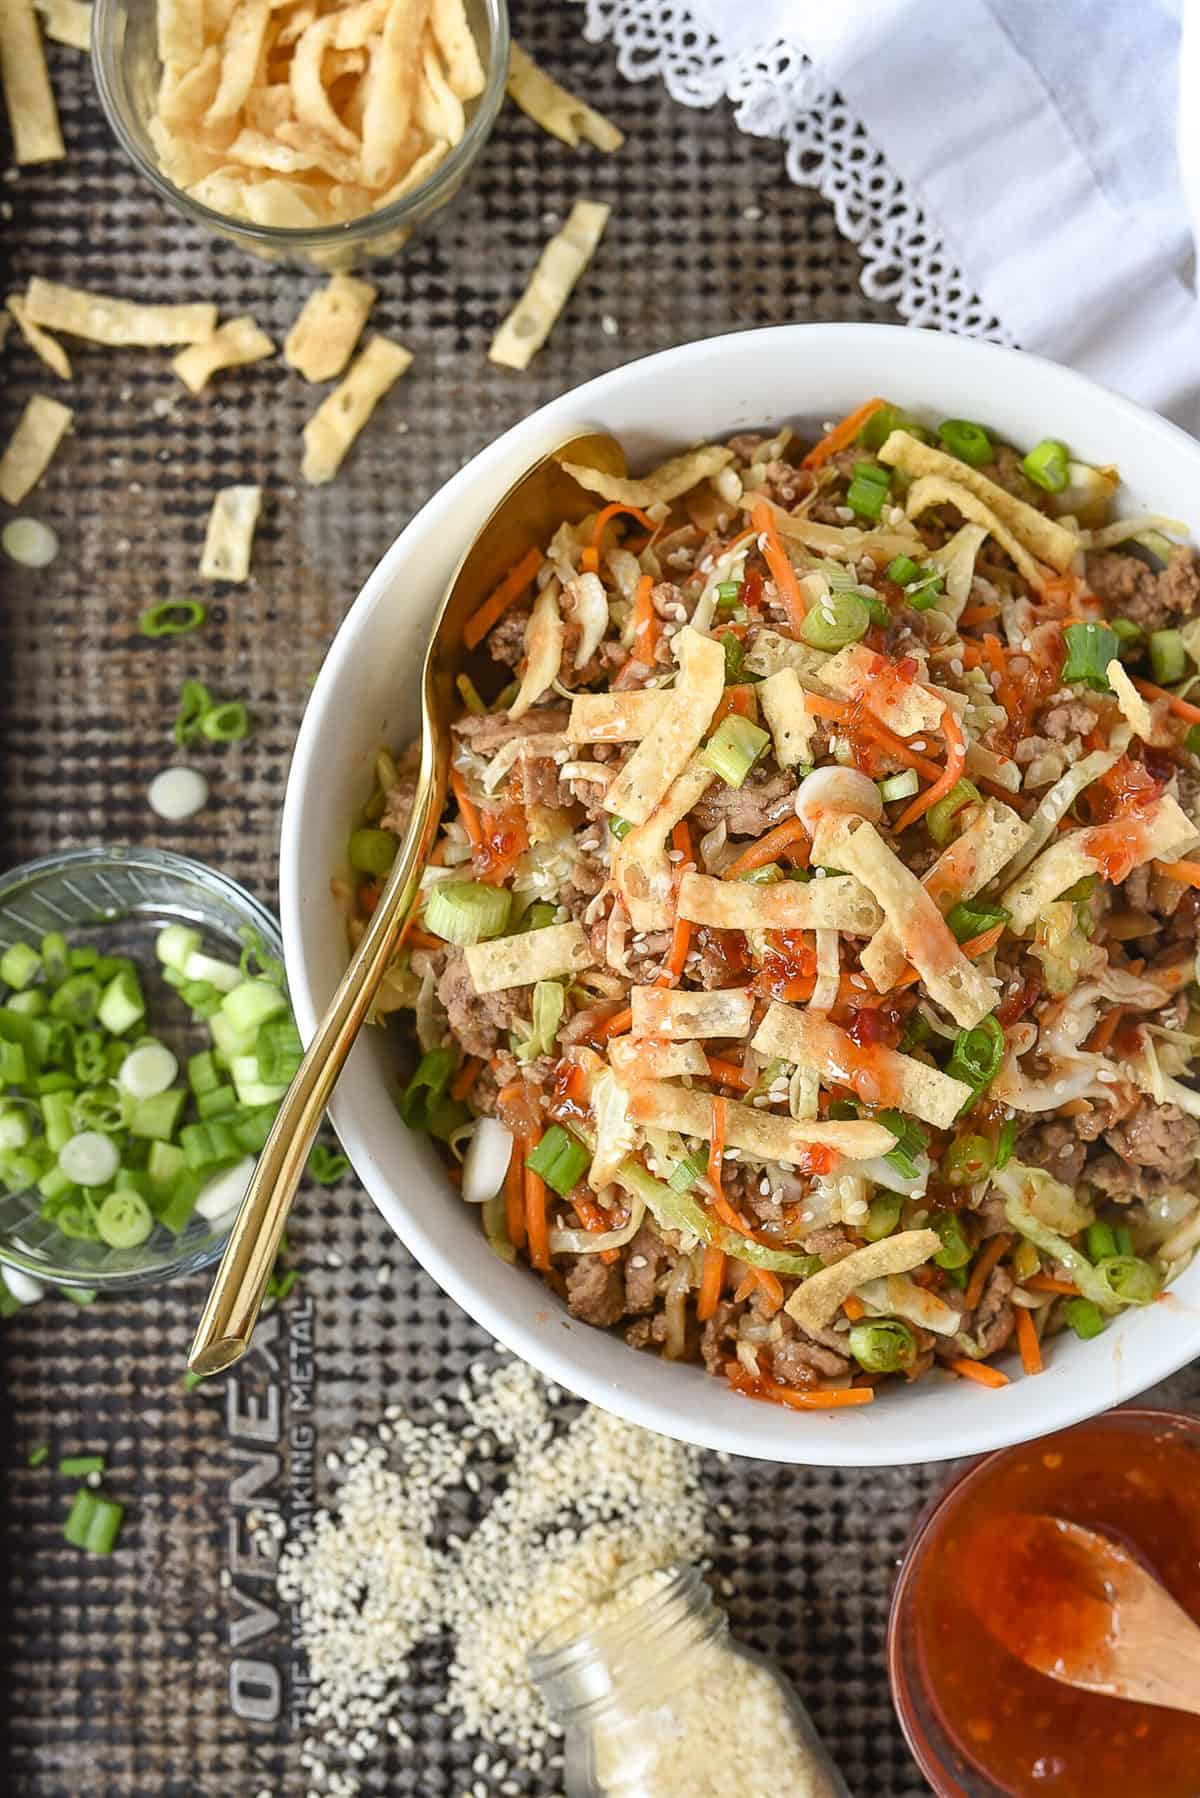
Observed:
{"x":1020,"y":151}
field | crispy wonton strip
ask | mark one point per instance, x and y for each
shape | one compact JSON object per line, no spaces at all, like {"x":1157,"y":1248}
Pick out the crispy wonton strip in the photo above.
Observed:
{"x":48,"y":348}
{"x":663,"y":754}
{"x":556,"y":110}
{"x":923,"y":934}
{"x":782,"y":699}
{"x":668,"y":1012}
{"x":836,"y":903}
{"x":520,"y":960}
{"x":644,"y":1058}
{"x":392,"y":89}
{"x":616,"y":717}
{"x":102,"y":319}
{"x":328,"y":326}
{"x":40,"y":430}
{"x":460,"y":53}
{"x":761,"y":1133}
{"x":230,"y":536}
{"x":845,"y":544}
{"x":933,"y":490}
{"x":816,"y":1303}
{"x":343,"y":413}
{"x":770,"y":653}
{"x":561,"y":264}
{"x":28,"y":96}
{"x":882,"y":1077}
{"x":1045,"y":538}
{"x":1001,"y":770}
{"x":668,"y":481}
{"x":986,"y":846}
{"x":67,"y":22}
{"x":237,"y":341}
{"x":641,"y":870}
{"x":1133,"y":707}
{"x":1161,"y":835}
{"x":904,"y":706}
{"x":241,"y":48}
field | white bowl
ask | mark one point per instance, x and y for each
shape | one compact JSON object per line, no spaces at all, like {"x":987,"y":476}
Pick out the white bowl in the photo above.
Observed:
{"x":367,"y":694}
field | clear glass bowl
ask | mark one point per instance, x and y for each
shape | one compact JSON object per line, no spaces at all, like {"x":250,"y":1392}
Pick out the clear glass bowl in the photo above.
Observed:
{"x":127,"y":70}
{"x":118,"y":899}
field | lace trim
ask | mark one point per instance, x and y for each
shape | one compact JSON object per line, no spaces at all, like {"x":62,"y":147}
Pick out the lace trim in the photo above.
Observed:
{"x":777,"y":92}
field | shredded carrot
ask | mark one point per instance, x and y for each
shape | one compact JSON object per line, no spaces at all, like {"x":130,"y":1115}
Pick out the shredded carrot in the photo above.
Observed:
{"x":645,"y":620}
{"x":716,"y":1147}
{"x":767,"y":848}
{"x":589,"y":561}
{"x":956,"y":761}
{"x":595,"y":1220}
{"x":614,"y":1026}
{"x":466,"y":1077}
{"x":995,"y":1252}
{"x":514,"y":1194}
{"x":739,"y":699}
{"x":1188,"y":873}
{"x":1027,"y":1341}
{"x":1182,"y":708}
{"x":978,"y":615}
{"x":1105,"y":1030}
{"x":368,"y":896}
{"x":798,"y":1398}
{"x":779,"y":562}
{"x":729,"y":1074}
{"x":842,"y":434}
{"x":841,"y":711}
{"x":1050,"y":1283}
{"x":467,"y":809}
{"x":421,"y":939}
{"x":681,"y":934}
{"x":771,"y":1285}
{"x":535,"y":1220}
{"x":979,"y":1372}
{"x":976,"y":946}
{"x":506,"y":594}
{"x":854,"y":1307}
{"x":711,"y":1281}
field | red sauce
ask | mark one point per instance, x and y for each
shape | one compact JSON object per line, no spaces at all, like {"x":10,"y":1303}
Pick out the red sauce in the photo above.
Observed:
{"x":751,"y":594}
{"x":725,"y":956}
{"x":866,"y":1024}
{"x":504,"y":839}
{"x":1117,"y":848}
{"x":868,"y":1069}
{"x":1130,"y":1478}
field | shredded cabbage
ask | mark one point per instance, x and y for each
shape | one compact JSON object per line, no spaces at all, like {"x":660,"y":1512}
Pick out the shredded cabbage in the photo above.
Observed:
{"x":897,"y":1295}
{"x":549,"y":998}
{"x":615,"y":1135}
{"x":1061,"y":797}
{"x":1022,"y":1187}
{"x":586,"y":604}
{"x":430,"y":1019}
{"x":680,"y":1211}
{"x":956,"y":559}
{"x":585,"y":1242}
{"x":1063,"y":950}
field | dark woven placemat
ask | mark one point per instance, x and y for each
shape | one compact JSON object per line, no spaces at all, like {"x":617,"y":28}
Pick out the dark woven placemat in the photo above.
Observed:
{"x":117,"y":1674}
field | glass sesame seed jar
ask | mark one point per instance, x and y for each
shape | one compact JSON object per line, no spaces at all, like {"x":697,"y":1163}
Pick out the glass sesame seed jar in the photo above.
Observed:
{"x":656,"y":1700}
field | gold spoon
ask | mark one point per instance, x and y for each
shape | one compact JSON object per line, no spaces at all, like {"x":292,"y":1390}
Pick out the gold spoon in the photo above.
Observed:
{"x":1082,"y":1611}
{"x":526,"y":517}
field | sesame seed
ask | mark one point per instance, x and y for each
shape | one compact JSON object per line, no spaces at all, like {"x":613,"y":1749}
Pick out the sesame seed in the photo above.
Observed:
{"x":609,"y":325}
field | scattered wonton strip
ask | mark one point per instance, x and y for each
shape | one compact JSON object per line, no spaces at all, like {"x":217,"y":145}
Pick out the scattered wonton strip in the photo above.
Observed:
{"x":615,"y":717}
{"x":1043,"y":537}
{"x":1162,"y":834}
{"x":1133,"y":707}
{"x":1001,"y":770}
{"x":956,"y":559}
{"x":933,"y":490}
{"x":642,"y":873}
{"x":237,"y":341}
{"x":556,"y":110}
{"x":879,"y":1077}
{"x":117,"y":323}
{"x":230,"y":536}
{"x":645,"y":1058}
{"x":669,"y":1012}
{"x":836,"y":903}
{"x":816,"y":1303}
{"x":983,"y":850}
{"x":926,"y":939}
{"x":536,"y":955}
{"x":668,"y":481}
{"x":763,"y":1135}
{"x":770,"y":652}
{"x":665,"y":751}
{"x":460,"y":53}
{"x":562,"y":262}
{"x":67,"y":22}
{"x":904,"y":706}
{"x":330,"y":323}
{"x":340,"y":417}
{"x":40,"y":430}
{"x":47,"y":348}
{"x":781,"y":697}
{"x":28,"y":96}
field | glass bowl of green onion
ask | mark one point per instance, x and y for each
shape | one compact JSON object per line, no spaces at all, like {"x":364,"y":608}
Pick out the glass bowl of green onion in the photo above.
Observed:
{"x":145,"y":1042}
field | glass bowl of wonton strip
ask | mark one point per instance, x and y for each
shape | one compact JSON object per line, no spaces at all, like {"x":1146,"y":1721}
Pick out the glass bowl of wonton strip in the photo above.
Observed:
{"x":314,"y":136}
{"x":119,"y":969}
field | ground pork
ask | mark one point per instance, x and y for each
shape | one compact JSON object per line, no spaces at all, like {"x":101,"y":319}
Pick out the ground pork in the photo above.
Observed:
{"x":1068,"y":718}
{"x":1005,"y":469}
{"x":647,"y":1258}
{"x":1151,"y":598}
{"x":488,"y":731}
{"x":1055,"y":1146}
{"x":506,"y":639}
{"x":596,"y":1291}
{"x":718,"y":1339}
{"x":398,"y":800}
{"x":1160,"y":1137}
{"x":992,"y":1322}
{"x":800,"y":1361}
{"x":477,"y":1019}
{"x":830,"y":1242}
{"x":538,"y":782}
{"x":748,"y":810}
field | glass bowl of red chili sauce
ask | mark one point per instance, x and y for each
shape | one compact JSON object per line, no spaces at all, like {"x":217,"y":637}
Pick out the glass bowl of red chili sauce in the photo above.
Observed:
{"x":982,"y":1724}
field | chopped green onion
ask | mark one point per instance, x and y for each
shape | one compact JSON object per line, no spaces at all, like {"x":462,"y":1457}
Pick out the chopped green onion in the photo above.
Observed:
{"x":172,"y":618}
{"x":194,"y":700}
{"x":228,"y":722}
{"x":156,"y":1118}
{"x":13,"y":1071}
{"x":977,"y":1054}
{"x":124,"y":1220}
{"x":433,"y":1075}
{"x":371,"y":851}
{"x":902,"y":570}
{"x":541,"y":913}
{"x":968,"y":441}
{"x":955,"y":1250}
{"x":1090,"y":648}
{"x":1084,"y":1317}
{"x":469,"y":694}
{"x":98,"y":1108}
{"x":1192,"y":741}
{"x":1046,"y":465}
{"x":1124,"y":1239}
{"x":878,"y":611}
{"x":466,"y":911}
{"x":93,"y":1523}
{"x":202,"y":1074}
{"x":899,"y":786}
{"x":868,"y":489}
{"x":921,"y":597}
{"x":735,"y":657}
{"x":77,"y":999}
{"x":971,"y":917}
{"x":883,"y":421}
{"x":834,"y":622}
{"x":84,"y":958}
{"x":728,"y":594}
{"x":911,"y":1142}
{"x":732,"y":750}
{"x":77,"y":1467}
{"x":883,"y":1346}
{"x":327,"y":1166}
{"x":255,"y":963}
{"x":549,"y":1001}
{"x":122,"y":1004}
{"x":32,"y":1002}
{"x":279,"y":1051}
{"x":1132,"y":1281}
{"x":19,"y":965}
{"x":967,"y":1160}
{"x":38,"y":1453}
{"x":250,"y":1005}
{"x":54,"y":956}
{"x":621,"y":827}
{"x":560,"y":1158}
{"x":940,"y":818}
{"x":685,"y":1173}
{"x":1126,"y":632}
{"x":191,"y":1380}
{"x":1099,"y":1241}
{"x":1168,"y":657}
{"x":883,"y":1214}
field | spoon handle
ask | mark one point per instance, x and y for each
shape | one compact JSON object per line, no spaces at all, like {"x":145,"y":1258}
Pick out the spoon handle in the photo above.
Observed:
{"x":227,"y":1323}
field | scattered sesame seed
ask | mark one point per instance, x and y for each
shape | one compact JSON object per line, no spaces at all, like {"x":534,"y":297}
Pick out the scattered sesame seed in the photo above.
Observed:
{"x":609,"y":325}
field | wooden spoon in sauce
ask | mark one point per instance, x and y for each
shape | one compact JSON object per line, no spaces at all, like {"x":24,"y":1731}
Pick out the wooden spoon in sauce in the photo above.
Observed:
{"x":1077,"y":1607}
